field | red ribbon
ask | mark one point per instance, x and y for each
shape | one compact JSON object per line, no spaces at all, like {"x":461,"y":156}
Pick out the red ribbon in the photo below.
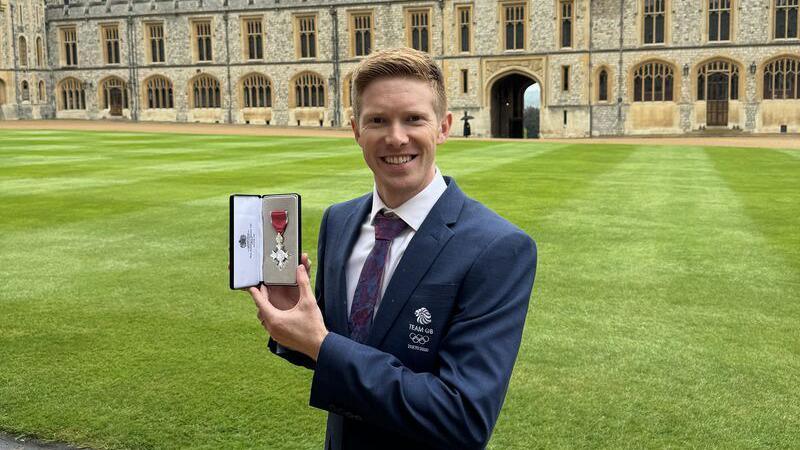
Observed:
{"x":279,"y":220}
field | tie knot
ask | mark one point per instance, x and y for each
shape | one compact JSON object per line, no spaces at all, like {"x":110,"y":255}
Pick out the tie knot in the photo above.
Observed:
{"x":387,"y":228}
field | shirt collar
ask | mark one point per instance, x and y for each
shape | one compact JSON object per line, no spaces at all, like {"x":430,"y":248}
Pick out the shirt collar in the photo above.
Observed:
{"x":416,"y":209}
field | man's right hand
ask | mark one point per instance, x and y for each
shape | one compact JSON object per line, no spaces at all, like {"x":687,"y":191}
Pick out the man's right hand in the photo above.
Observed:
{"x":284,"y":297}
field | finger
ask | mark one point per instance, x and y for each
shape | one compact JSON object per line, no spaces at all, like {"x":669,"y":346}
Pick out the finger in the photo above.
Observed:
{"x":259,"y":294}
{"x":303,"y":283}
{"x":306,"y":262}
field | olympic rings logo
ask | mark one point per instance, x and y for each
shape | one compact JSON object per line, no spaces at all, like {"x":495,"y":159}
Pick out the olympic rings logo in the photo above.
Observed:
{"x":419,"y":338}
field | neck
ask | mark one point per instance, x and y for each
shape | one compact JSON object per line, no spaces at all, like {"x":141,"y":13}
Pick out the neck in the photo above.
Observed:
{"x":395,"y":199}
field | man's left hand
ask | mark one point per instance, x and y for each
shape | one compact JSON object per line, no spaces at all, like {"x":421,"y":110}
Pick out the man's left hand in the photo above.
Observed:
{"x":300,"y":328}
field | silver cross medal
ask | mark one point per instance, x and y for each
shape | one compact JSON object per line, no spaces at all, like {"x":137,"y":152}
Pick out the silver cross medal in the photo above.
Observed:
{"x":279,"y":254}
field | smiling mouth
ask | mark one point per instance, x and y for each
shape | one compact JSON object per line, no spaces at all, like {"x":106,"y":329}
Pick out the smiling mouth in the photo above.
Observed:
{"x":398,"y":160}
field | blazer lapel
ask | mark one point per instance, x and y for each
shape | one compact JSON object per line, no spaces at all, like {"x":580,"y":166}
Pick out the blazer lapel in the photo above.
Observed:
{"x":426,"y":244}
{"x":347,"y":236}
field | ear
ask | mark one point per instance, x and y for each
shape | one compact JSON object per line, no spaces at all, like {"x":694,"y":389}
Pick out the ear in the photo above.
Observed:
{"x":354,"y":126}
{"x":444,"y":127}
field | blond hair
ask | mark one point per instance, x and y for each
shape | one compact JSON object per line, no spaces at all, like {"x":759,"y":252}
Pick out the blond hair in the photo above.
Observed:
{"x":402,"y":62}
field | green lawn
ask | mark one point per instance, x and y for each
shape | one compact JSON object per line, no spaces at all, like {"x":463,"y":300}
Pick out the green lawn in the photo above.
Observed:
{"x":666,"y":310}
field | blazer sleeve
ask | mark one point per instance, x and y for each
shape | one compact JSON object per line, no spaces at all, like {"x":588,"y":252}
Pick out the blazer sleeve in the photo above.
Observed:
{"x":286,"y":353}
{"x":458,"y":407}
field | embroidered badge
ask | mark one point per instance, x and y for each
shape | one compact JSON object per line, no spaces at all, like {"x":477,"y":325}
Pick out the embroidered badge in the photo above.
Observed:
{"x":423,"y":316}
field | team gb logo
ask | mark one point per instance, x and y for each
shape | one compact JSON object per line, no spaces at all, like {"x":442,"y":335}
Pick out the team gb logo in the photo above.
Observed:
{"x":423,"y":316}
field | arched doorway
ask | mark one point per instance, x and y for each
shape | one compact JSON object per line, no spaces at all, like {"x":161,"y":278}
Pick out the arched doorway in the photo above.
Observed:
{"x":508,"y":105}
{"x":717,"y":84}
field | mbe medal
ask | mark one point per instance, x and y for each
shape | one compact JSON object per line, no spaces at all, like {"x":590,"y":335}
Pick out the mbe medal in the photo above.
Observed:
{"x":279,"y":254}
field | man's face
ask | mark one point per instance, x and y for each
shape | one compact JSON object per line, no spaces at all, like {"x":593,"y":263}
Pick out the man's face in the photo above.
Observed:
{"x":398,"y":132}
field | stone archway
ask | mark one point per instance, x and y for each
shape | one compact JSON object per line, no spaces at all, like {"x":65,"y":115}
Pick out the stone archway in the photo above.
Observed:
{"x":508,"y":105}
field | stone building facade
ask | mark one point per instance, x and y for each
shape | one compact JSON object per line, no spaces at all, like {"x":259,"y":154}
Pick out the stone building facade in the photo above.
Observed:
{"x":604,"y":67}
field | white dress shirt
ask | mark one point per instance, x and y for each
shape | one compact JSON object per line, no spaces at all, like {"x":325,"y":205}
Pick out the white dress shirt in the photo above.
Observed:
{"x":413,"y":212}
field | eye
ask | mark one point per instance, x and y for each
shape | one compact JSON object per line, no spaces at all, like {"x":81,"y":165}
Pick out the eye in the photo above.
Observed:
{"x":376,"y":120}
{"x":414,"y":118}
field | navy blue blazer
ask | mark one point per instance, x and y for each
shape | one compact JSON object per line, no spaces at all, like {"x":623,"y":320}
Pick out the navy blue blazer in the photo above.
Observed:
{"x":435,"y":369}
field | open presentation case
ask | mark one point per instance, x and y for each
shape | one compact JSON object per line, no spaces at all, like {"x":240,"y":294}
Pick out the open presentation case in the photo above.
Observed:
{"x":264,"y":239}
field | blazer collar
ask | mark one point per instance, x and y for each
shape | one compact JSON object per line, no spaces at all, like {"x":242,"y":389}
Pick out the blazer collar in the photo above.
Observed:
{"x":428,"y":241}
{"x":420,"y":254}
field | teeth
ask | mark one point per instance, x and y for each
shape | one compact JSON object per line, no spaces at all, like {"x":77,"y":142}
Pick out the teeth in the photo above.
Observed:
{"x":397,"y":159}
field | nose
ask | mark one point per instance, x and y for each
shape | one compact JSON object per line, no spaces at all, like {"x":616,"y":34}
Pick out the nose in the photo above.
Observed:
{"x":396,"y":136}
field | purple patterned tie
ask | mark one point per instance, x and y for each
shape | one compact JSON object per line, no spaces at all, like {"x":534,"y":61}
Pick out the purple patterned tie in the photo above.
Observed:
{"x":368,"y":289}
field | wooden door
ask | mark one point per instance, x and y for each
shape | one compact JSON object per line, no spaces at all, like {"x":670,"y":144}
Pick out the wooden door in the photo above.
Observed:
{"x":115,"y":101}
{"x":717,"y":102}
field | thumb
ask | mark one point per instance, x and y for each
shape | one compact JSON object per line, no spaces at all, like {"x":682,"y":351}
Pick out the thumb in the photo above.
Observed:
{"x":303,"y":283}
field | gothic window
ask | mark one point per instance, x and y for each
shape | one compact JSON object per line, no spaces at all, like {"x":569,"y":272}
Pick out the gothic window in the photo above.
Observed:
{"x":309,"y":90}
{"x":111,"y":41}
{"x":786,"y":19}
{"x":602,"y":85}
{"x":69,"y":47}
{"x":107,"y":86}
{"x":654,"y":21}
{"x":155,"y":37}
{"x":72,"y":94}
{"x":2,"y":92}
{"x":564,"y":78}
{"x":781,"y":79}
{"x":361,"y":37}
{"x":653,"y":82}
{"x":566,"y":13}
{"x":712,"y":71}
{"x":23,"y":52}
{"x":464,"y":81}
{"x":159,"y":93}
{"x":204,"y":50}
{"x":306,"y":37}
{"x":206,"y":93}
{"x":419,"y":31}
{"x":39,"y":52}
{"x":514,"y":26}
{"x":26,"y":92}
{"x":42,"y":92}
{"x":464,"y":15}
{"x":254,"y":29}
{"x":256,"y":91}
{"x":719,"y":20}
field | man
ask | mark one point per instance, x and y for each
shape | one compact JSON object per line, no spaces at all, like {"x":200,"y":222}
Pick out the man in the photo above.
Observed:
{"x":421,"y":292}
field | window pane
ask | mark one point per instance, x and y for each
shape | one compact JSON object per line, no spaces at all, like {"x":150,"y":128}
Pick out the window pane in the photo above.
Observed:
{"x":660,"y":28}
{"x":713,"y":26}
{"x":780,"y":24}
{"x":792,"y":23}
{"x":725,"y":26}
{"x":701,"y":87}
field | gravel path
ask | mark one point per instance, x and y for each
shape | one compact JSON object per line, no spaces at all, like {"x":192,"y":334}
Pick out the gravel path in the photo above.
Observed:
{"x":11,"y":443}
{"x":790,"y":141}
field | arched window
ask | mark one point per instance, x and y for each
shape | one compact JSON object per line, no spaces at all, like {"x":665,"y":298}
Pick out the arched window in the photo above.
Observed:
{"x":26,"y":92}
{"x":206,"y":94}
{"x":781,"y":79}
{"x":72,"y":94}
{"x":23,"y":52}
{"x":158,"y":90}
{"x":721,"y":77}
{"x":2,"y":92}
{"x":653,"y":82}
{"x":39,"y":52}
{"x":602,"y":85}
{"x":42,"y":92}
{"x":256,"y":91}
{"x":347,"y":88}
{"x":309,"y":90}
{"x":109,"y":85}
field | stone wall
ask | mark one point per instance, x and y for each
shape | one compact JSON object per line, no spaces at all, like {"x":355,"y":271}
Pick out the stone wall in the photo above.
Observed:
{"x":596,"y":44}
